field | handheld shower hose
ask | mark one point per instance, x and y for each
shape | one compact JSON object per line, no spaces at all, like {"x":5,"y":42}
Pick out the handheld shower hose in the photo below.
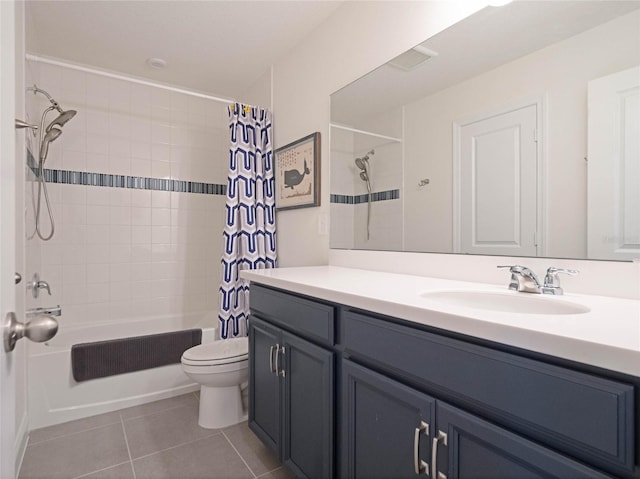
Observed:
{"x":47,"y":135}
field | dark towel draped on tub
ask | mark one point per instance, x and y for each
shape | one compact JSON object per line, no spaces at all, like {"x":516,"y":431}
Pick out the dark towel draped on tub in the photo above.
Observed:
{"x":117,"y":356}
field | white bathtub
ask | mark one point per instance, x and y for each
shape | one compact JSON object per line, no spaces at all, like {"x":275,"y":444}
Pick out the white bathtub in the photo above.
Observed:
{"x":55,"y":397}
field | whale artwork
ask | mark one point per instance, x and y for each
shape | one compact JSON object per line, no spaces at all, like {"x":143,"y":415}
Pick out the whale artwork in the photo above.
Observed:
{"x":294,"y":177}
{"x":298,"y":174}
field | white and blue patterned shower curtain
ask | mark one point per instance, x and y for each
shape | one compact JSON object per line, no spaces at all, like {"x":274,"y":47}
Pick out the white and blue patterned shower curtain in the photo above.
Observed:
{"x":250,"y":229}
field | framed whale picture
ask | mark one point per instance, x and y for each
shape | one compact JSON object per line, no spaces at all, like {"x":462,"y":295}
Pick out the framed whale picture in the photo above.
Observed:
{"x":297,"y":172}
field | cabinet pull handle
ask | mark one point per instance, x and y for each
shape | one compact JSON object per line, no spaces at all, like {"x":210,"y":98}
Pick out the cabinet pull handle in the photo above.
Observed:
{"x":434,"y":455}
{"x":271,"y":360}
{"x":419,"y":465}
{"x":276,"y":368}
{"x":282,"y":372}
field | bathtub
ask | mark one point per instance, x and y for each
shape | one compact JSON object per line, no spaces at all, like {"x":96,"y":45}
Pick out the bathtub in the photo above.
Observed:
{"x":55,"y":397}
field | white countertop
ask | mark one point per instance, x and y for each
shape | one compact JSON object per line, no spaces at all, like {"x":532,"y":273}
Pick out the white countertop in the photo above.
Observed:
{"x":607,"y":336}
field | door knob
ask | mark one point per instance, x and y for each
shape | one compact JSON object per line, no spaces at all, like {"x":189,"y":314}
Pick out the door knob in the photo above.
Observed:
{"x":39,"y":329}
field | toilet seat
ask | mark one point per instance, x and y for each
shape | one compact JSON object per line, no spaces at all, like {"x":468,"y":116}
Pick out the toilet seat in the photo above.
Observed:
{"x":226,"y":351}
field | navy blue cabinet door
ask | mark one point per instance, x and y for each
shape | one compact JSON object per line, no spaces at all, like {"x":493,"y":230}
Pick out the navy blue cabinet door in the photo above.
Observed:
{"x":476,"y":449}
{"x":386,"y":427}
{"x":264,"y":384}
{"x":308,"y":376}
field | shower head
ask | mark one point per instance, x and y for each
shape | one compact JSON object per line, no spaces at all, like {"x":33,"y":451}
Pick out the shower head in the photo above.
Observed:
{"x":363,"y":162}
{"x":360,"y":164}
{"x":364,"y":176}
{"x":51,"y":135}
{"x":62,"y":118}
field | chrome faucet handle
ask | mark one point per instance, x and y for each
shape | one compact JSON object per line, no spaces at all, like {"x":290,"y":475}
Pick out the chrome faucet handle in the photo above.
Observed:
{"x":552,"y":281}
{"x":523,"y":279}
{"x":35,"y":285}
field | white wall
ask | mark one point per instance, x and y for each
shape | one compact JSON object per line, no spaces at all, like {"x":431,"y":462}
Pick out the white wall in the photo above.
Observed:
{"x":358,"y":37}
{"x":560,"y":74}
{"x":121,"y":253}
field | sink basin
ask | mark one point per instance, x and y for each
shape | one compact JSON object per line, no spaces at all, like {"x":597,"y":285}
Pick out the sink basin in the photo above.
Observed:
{"x":522,"y":303}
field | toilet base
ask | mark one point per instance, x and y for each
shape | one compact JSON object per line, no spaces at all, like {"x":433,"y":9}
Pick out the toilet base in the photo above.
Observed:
{"x":220,"y":407}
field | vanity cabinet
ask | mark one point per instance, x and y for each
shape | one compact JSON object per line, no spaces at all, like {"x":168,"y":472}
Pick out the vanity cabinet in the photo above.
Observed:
{"x":291,"y":381}
{"x":412,"y":400}
{"x":391,"y":430}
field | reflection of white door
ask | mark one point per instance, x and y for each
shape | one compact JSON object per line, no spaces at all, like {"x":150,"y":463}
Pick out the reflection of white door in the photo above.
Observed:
{"x":613,"y":218}
{"x":7,"y":231}
{"x":495,"y":177}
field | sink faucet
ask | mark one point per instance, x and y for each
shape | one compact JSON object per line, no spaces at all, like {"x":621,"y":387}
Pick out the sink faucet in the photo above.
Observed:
{"x":524,"y":280}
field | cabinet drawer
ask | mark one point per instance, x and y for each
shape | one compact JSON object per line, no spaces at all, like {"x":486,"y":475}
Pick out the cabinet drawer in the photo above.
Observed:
{"x":305,"y":317}
{"x":583,"y":415}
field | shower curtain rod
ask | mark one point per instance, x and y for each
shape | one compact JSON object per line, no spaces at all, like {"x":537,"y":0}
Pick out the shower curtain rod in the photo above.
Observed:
{"x":116,"y":76}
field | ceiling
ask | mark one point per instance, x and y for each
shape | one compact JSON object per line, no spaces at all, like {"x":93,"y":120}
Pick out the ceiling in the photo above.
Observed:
{"x":489,"y":38}
{"x":217,"y":47}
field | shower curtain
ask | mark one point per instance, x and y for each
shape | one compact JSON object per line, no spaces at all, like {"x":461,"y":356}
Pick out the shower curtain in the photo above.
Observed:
{"x":250,"y":228}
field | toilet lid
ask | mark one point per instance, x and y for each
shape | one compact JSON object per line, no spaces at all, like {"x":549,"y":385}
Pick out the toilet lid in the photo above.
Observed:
{"x":218,"y":352}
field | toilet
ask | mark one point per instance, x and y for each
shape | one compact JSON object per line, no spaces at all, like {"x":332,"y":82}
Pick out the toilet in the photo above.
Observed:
{"x":220,"y":367}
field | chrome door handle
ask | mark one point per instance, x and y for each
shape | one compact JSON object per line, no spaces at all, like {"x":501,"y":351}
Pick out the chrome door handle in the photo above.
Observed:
{"x":418,"y":465}
{"x":271,"y":360}
{"x":441,"y":437}
{"x":17,"y":278}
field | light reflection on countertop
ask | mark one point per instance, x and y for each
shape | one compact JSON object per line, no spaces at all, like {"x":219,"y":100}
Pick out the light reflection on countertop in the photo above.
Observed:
{"x":607,"y":336}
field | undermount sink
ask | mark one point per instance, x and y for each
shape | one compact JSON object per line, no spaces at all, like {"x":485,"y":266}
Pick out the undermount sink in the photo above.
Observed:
{"x":508,"y":302}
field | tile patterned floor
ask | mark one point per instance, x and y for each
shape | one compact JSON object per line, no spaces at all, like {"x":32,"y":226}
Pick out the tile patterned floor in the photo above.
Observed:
{"x":152,"y":441}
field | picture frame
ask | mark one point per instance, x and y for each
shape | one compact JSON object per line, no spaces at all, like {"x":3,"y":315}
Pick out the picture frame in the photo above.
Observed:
{"x":297,"y":173}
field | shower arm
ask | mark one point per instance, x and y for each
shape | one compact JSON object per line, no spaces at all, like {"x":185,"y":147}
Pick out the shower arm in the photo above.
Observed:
{"x":54,"y":103}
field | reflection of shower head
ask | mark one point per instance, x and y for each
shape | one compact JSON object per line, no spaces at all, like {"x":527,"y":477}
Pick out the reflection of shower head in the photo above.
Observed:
{"x":51,"y":135}
{"x":363,"y":162}
{"x":63,"y":118}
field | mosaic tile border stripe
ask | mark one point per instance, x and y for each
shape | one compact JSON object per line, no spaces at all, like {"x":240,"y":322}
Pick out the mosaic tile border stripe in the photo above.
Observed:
{"x":132,"y":182}
{"x":358,"y":199}
{"x":67,"y":177}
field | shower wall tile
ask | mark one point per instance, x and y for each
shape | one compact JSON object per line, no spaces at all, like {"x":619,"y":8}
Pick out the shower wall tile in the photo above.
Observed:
{"x":123,"y":253}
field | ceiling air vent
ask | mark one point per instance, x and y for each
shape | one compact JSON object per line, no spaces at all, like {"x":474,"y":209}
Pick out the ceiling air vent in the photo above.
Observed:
{"x":412,"y":58}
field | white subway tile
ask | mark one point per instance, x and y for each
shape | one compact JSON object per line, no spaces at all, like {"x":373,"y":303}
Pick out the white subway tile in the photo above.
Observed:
{"x":140,"y":216}
{"x":140,"y":271}
{"x":160,"y":234}
{"x":141,"y":253}
{"x":120,"y":215}
{"x":141,"y":198}
{"x":97,"y":254}
{"x":119,"y":291}
{"x":161,"y":169}
{"x":160,"y":216}
{"x":98,"y":214}
{"x":141,"y":234}
{"x":161,"y":199}
{"x":97,"y":273}
{"x":120,"y":234}
{"x":140,"y":167}
{"x":119,"y":272}
{"x":141,"y":149}
{"x":97,"y":293}
{"x":119,"y":253}
{"x":97,"y":143}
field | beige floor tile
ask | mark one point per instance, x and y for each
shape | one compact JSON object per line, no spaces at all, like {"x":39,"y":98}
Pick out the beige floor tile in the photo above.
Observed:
{"x":155,"y":432}
{"x":208,"y":458}
{"x":122,"y":471}
{"x":75,"y":454}
{"x":257,"y":456}
{"x":71,"y":427}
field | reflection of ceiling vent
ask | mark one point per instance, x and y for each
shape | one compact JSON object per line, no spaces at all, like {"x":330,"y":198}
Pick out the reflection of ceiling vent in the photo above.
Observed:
{"x":412,"y":58}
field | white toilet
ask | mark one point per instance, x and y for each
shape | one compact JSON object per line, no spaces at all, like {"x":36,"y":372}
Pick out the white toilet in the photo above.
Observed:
{"x":220,"y":367}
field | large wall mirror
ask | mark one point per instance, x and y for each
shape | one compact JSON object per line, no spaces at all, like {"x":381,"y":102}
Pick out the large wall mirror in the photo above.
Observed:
{"x":514,"y":132}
